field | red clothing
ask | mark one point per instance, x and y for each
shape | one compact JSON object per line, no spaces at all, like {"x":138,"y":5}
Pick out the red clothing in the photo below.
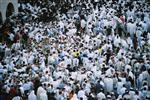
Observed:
{"x":17,"y":37}
{"x":122,"y":19}
{"x":13,"y":91}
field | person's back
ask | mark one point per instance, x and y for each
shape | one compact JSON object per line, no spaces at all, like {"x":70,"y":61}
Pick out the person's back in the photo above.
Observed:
{"x":129,"y":28}
{"x":43,"y":96}
{"x":59,"y":96}
{"x":101,"y":96}
{"x":119,"y":86}
{"x":40,"y":90}
{"x":136,"y":96}
{"x":80,"y":93}
{"x":146,"y":75}
{"x":32,"y":96}
{"x":83,"y":25}
{"x":17,"y":98}
{"x":148,"y":26}
{"x":133,"y":28}
{"x":122,"y":90}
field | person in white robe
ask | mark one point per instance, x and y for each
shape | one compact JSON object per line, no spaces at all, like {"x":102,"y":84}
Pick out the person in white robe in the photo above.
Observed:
{"x":131,"y":28}
{"x":81,"y":94}
{"x":101,"y":96}
{"x":108,"y":84}
{"x":41,"y":94}
{"x":32,"y":96}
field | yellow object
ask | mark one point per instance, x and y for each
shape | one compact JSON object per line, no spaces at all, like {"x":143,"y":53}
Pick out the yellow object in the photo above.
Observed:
{"x":76,"y":54}
{"x":100,"y":50}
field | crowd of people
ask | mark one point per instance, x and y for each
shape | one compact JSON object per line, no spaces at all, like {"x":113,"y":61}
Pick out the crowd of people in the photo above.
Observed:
{"x":76,"y":50}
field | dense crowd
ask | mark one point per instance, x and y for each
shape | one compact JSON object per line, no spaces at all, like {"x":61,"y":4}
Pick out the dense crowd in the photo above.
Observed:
{"x":76,"y":50}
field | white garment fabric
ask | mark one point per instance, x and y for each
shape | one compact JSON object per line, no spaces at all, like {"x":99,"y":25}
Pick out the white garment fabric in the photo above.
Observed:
{"x":32,"y":96}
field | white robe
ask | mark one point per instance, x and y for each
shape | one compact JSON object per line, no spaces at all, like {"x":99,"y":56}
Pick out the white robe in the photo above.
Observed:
{"x":109,"y":84}
{"x":81,"y":94}
{"x":131,"y":28}
{"x":83,"y":23}
{"x":74,"y":97}
{"x":32,"y":96}
{"x":119,"y":86}
{"x":41,"y":94}
{"x":101,"y":96}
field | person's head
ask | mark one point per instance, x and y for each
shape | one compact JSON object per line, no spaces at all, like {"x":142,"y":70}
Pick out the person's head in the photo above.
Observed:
{"x":60,"y":92}
{"x":137,"y":92}
{"x":72,"y":92}
{"x":81,"y":98}
{"x":144,"y":88}
{"x":124,"y":85}
{"x":108,"y":97}
{"x":148,"y":70}
{"x":145,"y":82}
{"x":48,"y":84}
